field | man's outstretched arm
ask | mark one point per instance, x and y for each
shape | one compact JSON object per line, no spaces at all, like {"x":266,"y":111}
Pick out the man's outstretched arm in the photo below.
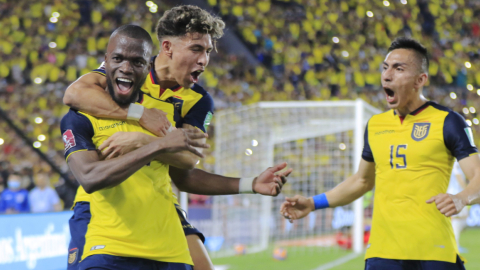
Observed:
{"x":346,"y":192}
{"x":95,"y":174}
{"x":269,"y":182}
{"x":87,"y":94}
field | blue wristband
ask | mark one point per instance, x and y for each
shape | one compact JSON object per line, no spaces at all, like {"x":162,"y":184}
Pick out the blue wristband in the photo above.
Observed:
{"x":320,"y":201}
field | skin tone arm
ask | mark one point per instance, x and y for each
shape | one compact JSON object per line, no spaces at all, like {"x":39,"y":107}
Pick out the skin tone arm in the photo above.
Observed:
{"x":121,"y":143}
{"x":346,"y":192}
{"x":191,"y":180}
{"x":197,"y":181}
{"x":95,"y":174}
{"x":87,"y":94}
{"x":449,"y":204}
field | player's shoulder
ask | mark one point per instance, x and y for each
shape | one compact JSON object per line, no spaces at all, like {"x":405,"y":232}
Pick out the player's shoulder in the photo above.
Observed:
{"x":440,"y":108}
{"x":206,"y":99}
{"x":74,"y":118}
{"x":381,"y":117}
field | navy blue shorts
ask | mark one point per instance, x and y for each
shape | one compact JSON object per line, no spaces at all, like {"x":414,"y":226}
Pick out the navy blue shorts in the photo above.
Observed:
{"x":387,"y":264}
{"x":109,"y":262}
{"x":78,"y":229}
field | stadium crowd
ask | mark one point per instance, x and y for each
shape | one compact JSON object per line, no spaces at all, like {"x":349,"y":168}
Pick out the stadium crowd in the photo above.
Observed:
{"x":309,"y":50}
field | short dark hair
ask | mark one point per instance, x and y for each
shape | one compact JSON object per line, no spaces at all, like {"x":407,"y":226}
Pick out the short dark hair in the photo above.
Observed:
{"x":180,"y":20}
{"x":412,"y":44}
{"x":133,"y":31}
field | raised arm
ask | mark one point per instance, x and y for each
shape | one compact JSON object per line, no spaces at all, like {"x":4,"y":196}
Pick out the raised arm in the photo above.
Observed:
{"x":88,"y":94}
{"x":95,"y":174}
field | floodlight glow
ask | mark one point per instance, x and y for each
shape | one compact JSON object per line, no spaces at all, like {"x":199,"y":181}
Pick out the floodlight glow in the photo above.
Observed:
{"x":254,"y":143}
{"x":1,"y":141}
{"x":38,"y":120}
{"x":468,"y":65}
{"x":37,"y":144}
{"x":465,"y":110}
{"x":369,"y":14}
{"x":386,"y":3}
{"x":55,"y":14}
{"x":149,"y":3}
{"x":453,"y":95}
{"x":469,"y":122}
{"x":472,"y":110}
{"x":52,"y":45}
{"x":342,"y":146}
{"x":475,"y":121}
{"x":248,"y":152}
{"x":469,"y":87}
{"x":345,"y":54}
{"x":53,"y":19}
{"x":37,"y":80}
{"x":336,"y":39}
{"x":41,"y":137}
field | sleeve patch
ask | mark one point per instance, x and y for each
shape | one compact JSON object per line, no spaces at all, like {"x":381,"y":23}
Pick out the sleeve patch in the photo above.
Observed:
{"x":207,"y":121}
{"x":69,"y":140}
{"x":469,"y":133}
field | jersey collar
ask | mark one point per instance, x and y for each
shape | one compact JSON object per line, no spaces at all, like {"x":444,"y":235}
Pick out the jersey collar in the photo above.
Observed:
{"x":419,"y":109}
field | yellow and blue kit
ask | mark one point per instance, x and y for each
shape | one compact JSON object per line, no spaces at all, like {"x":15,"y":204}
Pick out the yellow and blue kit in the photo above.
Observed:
{"x":183,"y":106}
{"x":413,"y":158}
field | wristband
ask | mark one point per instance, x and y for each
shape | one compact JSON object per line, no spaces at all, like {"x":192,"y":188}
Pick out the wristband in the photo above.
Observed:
{"x":135,"y":111}
{"x":245,"y":185}
{"x":320,"y":201}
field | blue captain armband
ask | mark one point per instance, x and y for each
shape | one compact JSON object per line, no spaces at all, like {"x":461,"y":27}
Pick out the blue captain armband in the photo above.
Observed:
{"x":320,"y":201}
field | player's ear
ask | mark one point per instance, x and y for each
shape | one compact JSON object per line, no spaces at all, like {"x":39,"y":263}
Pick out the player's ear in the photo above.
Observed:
{"x":105,"y":58}
{"x":167,"y":47}
{"x":421,"y":80}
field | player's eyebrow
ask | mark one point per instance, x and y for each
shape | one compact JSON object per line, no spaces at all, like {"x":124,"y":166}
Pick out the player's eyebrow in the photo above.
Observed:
{"x":397,"y":64}
{"x":201,"y":47}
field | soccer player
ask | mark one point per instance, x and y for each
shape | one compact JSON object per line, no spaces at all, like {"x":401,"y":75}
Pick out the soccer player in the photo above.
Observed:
{"x":133,"y":224}
{"x":186,"y":46}
{"x":408,"y":156}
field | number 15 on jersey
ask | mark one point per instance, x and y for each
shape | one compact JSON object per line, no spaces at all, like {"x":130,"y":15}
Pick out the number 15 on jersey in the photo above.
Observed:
{"x":397,"y":159}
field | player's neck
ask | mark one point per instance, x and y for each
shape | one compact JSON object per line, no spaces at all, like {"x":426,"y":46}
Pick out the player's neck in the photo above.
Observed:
{"x":162,"y":72}
{"x":411,"y":106}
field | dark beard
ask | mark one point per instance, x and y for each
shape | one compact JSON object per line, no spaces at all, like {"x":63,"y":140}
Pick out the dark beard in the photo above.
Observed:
{"x":122,"y":102}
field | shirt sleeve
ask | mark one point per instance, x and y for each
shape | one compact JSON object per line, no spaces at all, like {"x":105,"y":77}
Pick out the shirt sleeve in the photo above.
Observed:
{"x":200,"y":115}
{"x":458,"y":136}
{"x":77,"y":133}
{"x":100,"y":69}
{"x":367,"y":154}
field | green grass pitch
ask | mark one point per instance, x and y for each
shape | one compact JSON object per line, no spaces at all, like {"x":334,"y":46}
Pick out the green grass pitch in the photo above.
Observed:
{"x":309,"y":258}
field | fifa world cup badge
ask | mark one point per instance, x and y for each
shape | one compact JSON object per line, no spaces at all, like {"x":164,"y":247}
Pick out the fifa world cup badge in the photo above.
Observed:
{"x":420,"y":131}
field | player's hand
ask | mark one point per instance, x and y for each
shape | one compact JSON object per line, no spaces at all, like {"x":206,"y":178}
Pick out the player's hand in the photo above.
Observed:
{"x":271,"y":181}
{"x":448,"y":204}
{"x":155,"y":121}
{"x":297,"y":207}
{"x":183,"y":139}
{"x":121,"y":143}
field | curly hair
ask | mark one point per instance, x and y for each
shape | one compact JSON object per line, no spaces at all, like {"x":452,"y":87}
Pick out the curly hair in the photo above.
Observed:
{"x":181,"y":20}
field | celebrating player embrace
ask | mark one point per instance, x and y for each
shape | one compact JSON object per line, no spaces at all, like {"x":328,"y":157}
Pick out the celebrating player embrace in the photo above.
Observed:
{"x":408,"y":156}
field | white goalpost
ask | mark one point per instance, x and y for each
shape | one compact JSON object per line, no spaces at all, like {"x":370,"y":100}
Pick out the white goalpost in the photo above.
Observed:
{"x":321,"y":140}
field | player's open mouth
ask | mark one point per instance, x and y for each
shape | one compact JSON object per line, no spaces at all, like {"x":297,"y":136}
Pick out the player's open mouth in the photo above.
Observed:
{"x":390,"y":94}
{"x":195,"y":75}
{"x":124,"y":85}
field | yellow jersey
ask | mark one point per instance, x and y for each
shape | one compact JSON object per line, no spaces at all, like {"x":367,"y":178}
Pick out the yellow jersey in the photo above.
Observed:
{"x":413,"y":158}
{"x":138,"y":217}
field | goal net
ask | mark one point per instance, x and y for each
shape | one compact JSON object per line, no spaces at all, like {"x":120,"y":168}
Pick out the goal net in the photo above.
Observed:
{"x":322,"y":141}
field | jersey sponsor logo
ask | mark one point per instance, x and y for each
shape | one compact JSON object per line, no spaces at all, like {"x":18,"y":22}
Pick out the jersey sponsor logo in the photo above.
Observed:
{"x":420,"y":131}
{"x":112,"y":125}
{"x":207,"y":121}
{"x":470,"y":136}
{"x":68,"y":139}
{"x":72,"y":255}
{"x":385,"y":132}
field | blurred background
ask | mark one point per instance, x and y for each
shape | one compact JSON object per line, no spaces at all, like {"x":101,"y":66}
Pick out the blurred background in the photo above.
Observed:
{"x":273,"y":50}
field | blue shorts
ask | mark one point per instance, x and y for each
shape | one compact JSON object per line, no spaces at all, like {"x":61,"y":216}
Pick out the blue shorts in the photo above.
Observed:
{"x":388,"y":264}
{"x":78,"y":229}
{"x":109,"y":262}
